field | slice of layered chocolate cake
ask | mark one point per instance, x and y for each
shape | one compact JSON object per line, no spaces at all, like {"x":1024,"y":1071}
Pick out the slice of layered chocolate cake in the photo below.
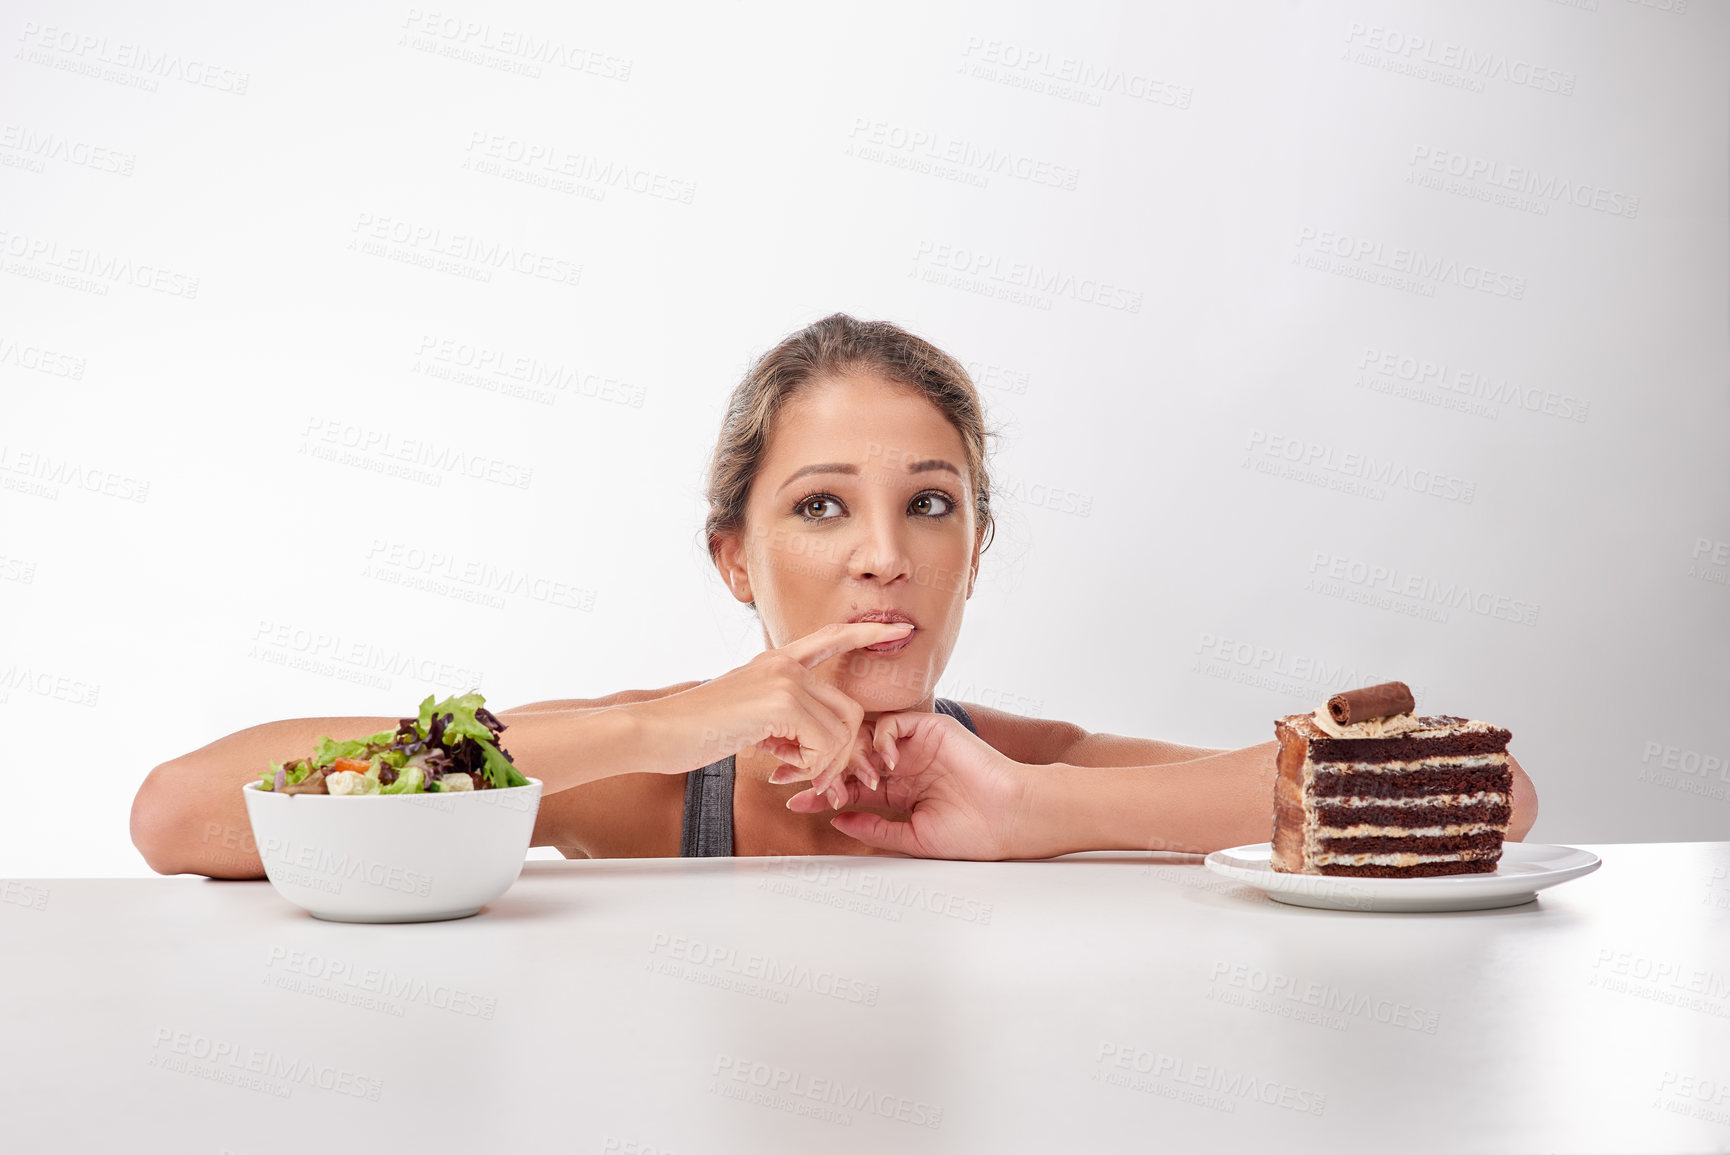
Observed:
{"x":1367,"y":789}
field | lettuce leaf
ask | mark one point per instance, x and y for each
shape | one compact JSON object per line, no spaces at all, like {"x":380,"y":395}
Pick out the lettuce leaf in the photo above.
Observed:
{"x":498,"y":768}
{"x":463,"y":723}
{"x":426,"y":716}
{"x":330,"y":750}
{"x":410,"y":781}
{"x":297,"y":770}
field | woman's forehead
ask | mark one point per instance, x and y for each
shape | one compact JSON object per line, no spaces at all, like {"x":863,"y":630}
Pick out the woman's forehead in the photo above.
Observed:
{"x":869,"y":416}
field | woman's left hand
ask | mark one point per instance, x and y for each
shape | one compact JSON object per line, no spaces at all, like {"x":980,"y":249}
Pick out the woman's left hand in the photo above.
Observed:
{"x":963,"y":798}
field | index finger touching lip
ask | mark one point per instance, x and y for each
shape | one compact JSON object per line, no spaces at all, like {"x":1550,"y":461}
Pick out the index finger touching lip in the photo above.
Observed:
{"x":837,"y":638}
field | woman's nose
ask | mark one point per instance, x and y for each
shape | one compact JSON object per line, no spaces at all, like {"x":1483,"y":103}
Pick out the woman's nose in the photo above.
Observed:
{"x":881,"y":550}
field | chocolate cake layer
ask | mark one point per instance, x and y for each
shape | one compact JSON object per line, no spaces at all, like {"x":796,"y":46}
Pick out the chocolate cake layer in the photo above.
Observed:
{"x":1328,"y":815}
{"x":1383,"y":844}
{"x":1418,"y":870}
{"x":1409,"y":783}
{"x":1407,"y":747}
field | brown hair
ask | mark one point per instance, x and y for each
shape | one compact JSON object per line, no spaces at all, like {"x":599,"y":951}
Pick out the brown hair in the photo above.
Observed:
{"x":830,"y":347}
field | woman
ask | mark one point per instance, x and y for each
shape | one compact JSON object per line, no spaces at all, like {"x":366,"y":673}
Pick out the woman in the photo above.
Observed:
{"x":848,"y":492}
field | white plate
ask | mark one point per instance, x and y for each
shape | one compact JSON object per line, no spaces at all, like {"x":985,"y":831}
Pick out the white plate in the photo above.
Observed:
{"x":1525,"y":868}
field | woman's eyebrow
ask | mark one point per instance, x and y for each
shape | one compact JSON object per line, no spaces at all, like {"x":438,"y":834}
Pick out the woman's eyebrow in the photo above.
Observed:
{"x":842,"y":467}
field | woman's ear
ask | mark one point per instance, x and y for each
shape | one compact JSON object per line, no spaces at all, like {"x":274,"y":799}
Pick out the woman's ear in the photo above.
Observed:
{"x":730,"y":561}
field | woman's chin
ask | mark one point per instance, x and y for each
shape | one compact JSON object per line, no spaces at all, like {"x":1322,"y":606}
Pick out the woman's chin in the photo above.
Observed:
{"x":886,"y":690}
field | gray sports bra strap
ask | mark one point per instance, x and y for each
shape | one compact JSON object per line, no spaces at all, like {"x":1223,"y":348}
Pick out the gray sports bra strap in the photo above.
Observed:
{"x":708,"y":825}
{"x":954,"y":710}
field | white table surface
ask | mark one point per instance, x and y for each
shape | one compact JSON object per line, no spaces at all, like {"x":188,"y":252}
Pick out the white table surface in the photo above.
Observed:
{"x":1100,"y":1002}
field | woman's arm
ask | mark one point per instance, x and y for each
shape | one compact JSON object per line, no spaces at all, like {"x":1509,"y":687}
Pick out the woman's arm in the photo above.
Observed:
{"x":966,"y":799}
{"x":1092,"y":749}
{"x":1196,"y":807}
{"x":1524,"y":802}
{"x":189,"y":818}
{"x":1043,"y":741}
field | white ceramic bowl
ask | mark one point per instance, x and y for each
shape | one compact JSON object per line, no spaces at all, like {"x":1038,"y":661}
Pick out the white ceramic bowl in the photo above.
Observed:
{"x":393,"y":857}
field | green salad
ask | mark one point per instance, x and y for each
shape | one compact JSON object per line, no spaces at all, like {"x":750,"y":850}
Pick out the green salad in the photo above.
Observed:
{"x":452,"y":746}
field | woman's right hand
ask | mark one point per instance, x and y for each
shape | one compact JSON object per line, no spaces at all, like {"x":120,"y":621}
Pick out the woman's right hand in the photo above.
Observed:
{"x":777,"y":703}
{"x":962,"y":797}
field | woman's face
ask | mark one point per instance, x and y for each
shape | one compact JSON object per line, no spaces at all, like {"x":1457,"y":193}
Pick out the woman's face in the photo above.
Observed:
{"x":862,"y":503}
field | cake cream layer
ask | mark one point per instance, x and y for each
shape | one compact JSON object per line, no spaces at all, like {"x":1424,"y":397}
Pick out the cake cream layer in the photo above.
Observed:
{"x":1438,"y":735}
{"x":1436,"y":726}
{"x":1367,"y":830}
{"x":1448,"y":761}
{"x":1475,"y":798}
{"x":1405,"y":858}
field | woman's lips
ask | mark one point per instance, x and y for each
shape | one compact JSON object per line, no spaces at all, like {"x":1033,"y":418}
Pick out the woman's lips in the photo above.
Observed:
{"x":888,"y":616}
{"x":894,"y":645}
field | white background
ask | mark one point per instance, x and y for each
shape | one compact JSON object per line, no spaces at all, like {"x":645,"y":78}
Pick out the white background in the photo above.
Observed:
{"x":1399,"y":255}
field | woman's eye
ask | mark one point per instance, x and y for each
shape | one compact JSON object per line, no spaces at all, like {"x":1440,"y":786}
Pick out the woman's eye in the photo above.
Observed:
{"x":806,"y":506}
{"x":941,"y":498}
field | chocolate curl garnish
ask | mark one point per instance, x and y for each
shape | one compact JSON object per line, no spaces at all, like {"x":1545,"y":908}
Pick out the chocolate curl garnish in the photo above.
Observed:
{"x":1371,"y":702}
